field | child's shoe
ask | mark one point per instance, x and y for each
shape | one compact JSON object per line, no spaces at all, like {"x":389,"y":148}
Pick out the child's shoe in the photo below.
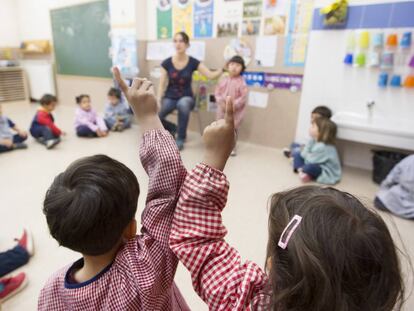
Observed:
{"x":26,"y":242}
{"x":19,"y":146}
{"x":11,"y":286}
{"x":52,"y":142}
{"x":287,"y":153}
{"x":233,"y":152}
{"x":304,"y":177}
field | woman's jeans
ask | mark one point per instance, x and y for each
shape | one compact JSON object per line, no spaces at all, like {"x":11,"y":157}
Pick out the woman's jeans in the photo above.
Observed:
{"x":184,"y":105}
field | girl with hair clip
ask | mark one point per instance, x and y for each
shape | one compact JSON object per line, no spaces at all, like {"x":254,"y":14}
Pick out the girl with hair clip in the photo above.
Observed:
{"x":325,"y":250}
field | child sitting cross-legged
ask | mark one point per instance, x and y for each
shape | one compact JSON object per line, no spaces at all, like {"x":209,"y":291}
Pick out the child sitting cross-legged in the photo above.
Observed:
{"x":87,"y":121}
{"x":325,"y":249}
{"x":90,"y":208}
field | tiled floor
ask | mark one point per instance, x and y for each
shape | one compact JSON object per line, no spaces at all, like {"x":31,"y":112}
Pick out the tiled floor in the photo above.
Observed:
{"x":254,"y":174}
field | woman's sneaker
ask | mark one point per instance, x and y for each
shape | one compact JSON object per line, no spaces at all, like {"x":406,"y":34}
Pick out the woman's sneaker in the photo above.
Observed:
{"x":12,"y":285}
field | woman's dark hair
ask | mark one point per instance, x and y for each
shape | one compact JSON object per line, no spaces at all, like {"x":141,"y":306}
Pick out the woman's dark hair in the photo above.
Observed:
{"x":184,"y":37}
{"x":327,"y":130}
{"x":115,"y":93}
{"x":322,"y":111}
{"x":341,"y":256}
{"x":47,"y":99}
{"x":80,"y":97}
{"x":90,"y":204}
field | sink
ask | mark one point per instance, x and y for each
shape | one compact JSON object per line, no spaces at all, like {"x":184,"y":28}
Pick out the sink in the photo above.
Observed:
{"x":375,"y":130}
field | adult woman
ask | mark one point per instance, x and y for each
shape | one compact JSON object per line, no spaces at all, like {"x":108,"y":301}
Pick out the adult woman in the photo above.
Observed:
{"x":175,"y":90}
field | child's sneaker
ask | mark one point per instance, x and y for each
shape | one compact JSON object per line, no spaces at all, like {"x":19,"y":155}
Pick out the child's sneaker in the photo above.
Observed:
{"x":287,"y":153}
{"x":52,"y":142}
{"x":233,"y":152}
{"x":26,"y":242}
{"x":19,"y":146}
{"x":11,"y":286}
{"x":304,"y":177}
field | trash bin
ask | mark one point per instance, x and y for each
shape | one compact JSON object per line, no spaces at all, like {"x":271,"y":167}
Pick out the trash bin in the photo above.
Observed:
{"x":383,"y":162}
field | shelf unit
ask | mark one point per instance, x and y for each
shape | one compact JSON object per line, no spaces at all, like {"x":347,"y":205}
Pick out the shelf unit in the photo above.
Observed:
{"x":12,"y":84}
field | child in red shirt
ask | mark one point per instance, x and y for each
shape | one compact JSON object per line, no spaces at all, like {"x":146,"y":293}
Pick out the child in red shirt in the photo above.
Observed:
{"x":43,"y":127}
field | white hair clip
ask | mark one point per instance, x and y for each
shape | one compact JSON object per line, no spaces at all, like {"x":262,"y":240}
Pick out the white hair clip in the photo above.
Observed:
{"x":288,"y":231}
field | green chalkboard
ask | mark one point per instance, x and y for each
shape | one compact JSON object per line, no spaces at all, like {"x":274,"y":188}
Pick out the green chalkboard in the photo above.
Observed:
{"x":81,"y":39}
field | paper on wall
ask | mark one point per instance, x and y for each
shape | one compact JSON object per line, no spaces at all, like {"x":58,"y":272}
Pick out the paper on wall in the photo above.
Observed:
{"x":258,"y":99}
{"x":163,"y":50}
{"x":228,"y":16}
{"x":266,"y":49}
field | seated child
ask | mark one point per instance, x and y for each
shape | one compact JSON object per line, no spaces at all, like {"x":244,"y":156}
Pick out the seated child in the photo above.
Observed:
{"x":11,"y":137}
{"x":317,"y":112}
{"x":117,"y":115}
{"x":396,"y":194}
{"x":43,"y":127}
{"x":319,"y":158}
{"x":90,"y":208}
{"x":326,"y":250}
{"x":87,"y":121}
{"x":233,"y":85}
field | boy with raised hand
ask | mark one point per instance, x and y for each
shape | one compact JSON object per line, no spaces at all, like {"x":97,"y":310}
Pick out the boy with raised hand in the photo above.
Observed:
{"x":90,"y":208}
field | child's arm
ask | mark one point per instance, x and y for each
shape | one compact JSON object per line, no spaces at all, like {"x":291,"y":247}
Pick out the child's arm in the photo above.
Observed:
{"x":240,"y":102}
{"x":160,"y":159}
{"x":219,"y":92}
{"x":44,"y":118}
{"x":83,"y":119}
{"x":219,"y":276}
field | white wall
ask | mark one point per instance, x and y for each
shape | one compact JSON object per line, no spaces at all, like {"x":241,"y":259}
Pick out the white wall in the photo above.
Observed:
{"x":327,"y":81}
{"x":9,"y":30}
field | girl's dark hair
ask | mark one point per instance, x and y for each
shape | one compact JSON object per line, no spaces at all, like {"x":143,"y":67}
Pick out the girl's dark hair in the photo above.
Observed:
{"x":327,"y":130}
{"x":238,"y":60}
{"x":114,"y":92}
{"x":47,"y":99}
{"x":184,"y":37}
{"x":341,"y":256}
{"x":80,"y":97}
{"x":323,"y":111}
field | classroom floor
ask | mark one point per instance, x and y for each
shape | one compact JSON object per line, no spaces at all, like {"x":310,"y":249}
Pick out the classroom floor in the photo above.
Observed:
{"x":254,"y":174}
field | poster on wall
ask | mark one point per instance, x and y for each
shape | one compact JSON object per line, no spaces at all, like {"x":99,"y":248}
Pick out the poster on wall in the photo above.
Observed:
{"x":252,"y":17}
{"x":228,"y":17}
{"x":301,"y":13}
{"x":274,"y":15}
{"x":123,"y":49}
{"x":164,"y":19}
{"x":183,"y":16}
{"x":203,"y":18}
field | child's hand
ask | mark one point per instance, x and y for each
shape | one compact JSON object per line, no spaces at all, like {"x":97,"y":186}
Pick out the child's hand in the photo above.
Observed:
{"x":22,"y":133}
{"x":219,"y":139}
{"x":141,"y":97}
{"x":6,"y":142}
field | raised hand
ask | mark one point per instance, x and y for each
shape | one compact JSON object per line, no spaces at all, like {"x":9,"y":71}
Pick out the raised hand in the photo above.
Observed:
{"x":219,"y":138}
{"x":141,"y":97}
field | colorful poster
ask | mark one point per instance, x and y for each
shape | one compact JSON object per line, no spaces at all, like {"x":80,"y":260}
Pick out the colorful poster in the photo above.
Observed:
{"x":283,"y":81}
{"x":275,"y":12}
{"x":124,"y":52}
{"x":228,"y":18}
{"x":203,"y":18}
{"x":252,"y":16}
{"x":164,"y":19}
{"x":300,"y":23}
{"x":183,"y":16}
{"x":254,"y":78}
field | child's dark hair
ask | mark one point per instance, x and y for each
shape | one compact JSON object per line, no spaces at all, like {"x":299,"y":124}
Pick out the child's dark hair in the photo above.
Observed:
{"x":80,"y":97}
{"x":48,"y":99}
{"x":323,"y":111}
{"x":184,"y":37}
{"x":115,"y":93}
{"x":341,"y":256}
{"x":239,"y":60}
{"x":88,"y":206}
{"x":327,"y":130}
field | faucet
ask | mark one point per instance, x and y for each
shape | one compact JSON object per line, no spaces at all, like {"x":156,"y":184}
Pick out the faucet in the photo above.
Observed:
{"x":370,"y":106}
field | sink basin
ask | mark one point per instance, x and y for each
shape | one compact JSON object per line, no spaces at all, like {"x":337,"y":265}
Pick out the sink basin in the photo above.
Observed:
{"x":375,"y":130}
